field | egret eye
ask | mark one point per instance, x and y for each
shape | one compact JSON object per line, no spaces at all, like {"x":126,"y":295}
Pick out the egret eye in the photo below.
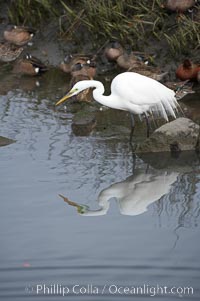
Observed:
{"x":72,"y":91}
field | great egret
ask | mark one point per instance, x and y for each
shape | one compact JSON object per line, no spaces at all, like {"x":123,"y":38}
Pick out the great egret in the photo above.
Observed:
{"x":134,"y":93}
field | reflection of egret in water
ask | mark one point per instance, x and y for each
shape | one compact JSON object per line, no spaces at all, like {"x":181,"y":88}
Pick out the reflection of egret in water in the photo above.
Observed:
{"x":182,"y":207}
{"x":133,"y":195}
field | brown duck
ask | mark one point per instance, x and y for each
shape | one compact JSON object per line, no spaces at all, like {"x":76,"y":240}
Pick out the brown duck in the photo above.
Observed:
{"x":188,"y":71}
{"x":113,"y":51}
{"x":29,"y":65}
{"x":9,"y":52}
{"x":71,"y":60}
{"x":19,"y":35}
{"x":179,"y":5}
{"x":87,"y":69}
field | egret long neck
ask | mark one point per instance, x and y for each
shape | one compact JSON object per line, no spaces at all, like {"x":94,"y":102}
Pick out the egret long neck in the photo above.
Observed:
{"x":104,"y":205}
{"x":108,"y":101}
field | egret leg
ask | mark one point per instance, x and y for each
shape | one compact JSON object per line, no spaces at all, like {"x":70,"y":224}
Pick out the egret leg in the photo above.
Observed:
{"x":147,"y":124}
{"x":134,"y":161}
{"x":132,"y":127}
{"x":154,"y":120}
{"x":156,"y":123}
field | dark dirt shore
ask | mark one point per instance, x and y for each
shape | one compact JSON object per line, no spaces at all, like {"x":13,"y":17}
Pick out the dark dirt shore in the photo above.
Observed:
{"x":51,"y":47}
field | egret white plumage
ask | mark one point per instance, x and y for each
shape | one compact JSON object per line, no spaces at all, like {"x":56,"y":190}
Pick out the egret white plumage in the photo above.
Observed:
{"x":134,"y":93}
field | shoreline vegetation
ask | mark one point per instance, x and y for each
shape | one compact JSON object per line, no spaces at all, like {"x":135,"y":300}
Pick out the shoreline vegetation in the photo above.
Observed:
{"x":139,"y":25}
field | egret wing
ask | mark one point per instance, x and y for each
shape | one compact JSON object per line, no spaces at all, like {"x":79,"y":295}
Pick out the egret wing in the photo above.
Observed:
{"x":140,"y":94}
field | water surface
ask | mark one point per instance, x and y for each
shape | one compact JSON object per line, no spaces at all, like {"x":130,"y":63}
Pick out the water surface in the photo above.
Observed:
{"x":148,"y":236}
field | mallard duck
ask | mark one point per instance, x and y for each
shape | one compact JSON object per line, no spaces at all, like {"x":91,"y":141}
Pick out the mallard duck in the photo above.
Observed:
{"x":65,"y":65}
{"x":179,"y":5}
{"x":71,"y":60}
{"x":132,"y":63}
{"x":19,"y":35}
{"x":113,"y":51}
{"x":9,"y":53}
{"x":149,"y":71}
{"x":88,"y":69}
{"x":127,"y":61}
{"x":180,"y":88}
{"x":29,"y":65}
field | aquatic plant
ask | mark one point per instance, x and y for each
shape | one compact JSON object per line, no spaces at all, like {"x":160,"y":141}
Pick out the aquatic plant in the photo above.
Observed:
{"x":127,"y":21}
{"x":31,"y":12}
{"x":184,"y":36}
{"x":134,"y":23}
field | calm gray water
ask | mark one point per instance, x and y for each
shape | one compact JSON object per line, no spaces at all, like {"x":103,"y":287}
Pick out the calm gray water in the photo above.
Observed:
{"x":138,"y":235}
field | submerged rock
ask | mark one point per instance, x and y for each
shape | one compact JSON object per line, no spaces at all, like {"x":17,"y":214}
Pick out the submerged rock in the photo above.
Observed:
{"x":6,"y":141}
{"x":83,"y":123}
{"x":181,"y":134}
{"x":183,"y":161}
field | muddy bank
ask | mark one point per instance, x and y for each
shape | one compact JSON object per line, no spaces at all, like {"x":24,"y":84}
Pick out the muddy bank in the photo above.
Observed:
{"x":51,"y":45}
{"x":65,"y":32}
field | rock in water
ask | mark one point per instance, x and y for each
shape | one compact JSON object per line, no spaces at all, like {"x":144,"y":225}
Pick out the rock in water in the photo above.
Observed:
{"x":181,"y":134}
{"x":83,"y":123}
